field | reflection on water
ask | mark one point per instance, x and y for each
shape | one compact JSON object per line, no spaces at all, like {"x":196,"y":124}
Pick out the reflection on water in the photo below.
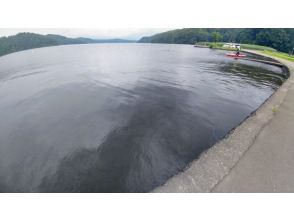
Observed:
{"x":255,"y":76}
{"x":118,"y":118}
{"x":156,"y":141}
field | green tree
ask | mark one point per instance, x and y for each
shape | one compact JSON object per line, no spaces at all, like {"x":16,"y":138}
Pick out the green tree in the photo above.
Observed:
{"x":281,"y":39}
{"x":24,"y":41}
{"x":216,"y":36}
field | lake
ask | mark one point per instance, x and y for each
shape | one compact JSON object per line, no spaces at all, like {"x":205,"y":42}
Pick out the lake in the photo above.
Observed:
{"x":118,"y":117}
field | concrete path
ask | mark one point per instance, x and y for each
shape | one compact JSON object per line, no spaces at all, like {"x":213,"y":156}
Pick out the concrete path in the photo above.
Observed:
{"x":258,"y":156}
{"x":268,"y":165}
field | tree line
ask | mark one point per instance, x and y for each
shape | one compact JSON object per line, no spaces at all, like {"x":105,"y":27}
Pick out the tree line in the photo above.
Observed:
{"x":281,"y":39}
{"x":24,"y":41}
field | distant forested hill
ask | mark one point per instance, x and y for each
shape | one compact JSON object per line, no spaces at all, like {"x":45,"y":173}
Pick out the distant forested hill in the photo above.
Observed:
{"x":281,"y":39}
{"x":24,"y":41}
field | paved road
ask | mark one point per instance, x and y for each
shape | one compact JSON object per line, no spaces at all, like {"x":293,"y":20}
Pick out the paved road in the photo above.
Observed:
{"x":268,"y":165}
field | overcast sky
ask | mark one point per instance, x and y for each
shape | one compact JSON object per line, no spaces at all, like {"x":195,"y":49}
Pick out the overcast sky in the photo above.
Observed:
{"x":126,"y":33}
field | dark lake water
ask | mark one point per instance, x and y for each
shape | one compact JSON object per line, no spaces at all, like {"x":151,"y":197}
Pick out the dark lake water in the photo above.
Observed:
{"x":118,"y":117}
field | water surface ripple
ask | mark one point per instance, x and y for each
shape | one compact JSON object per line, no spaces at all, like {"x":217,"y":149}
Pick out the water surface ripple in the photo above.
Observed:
{"x":118,"y":117}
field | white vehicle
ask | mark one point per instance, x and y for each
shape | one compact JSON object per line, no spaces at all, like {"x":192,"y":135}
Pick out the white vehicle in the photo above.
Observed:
{"x":232,"y":46}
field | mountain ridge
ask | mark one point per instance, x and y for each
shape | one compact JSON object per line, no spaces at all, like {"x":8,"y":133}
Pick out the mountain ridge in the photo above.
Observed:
{"x":281,"y":39}
{"x":26,"y":40}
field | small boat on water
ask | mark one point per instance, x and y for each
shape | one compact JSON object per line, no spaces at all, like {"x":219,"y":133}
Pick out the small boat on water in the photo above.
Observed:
{"x":235,"y":55}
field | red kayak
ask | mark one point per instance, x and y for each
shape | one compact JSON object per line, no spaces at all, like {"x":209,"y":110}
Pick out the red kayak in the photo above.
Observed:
{"x":236,"y":56}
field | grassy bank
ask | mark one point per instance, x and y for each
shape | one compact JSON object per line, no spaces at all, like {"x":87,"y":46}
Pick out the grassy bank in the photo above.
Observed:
{"x":266,"y":50}
{"x":257,"y":47}
{"x":219,"y":45}
{"x":279,"y":55}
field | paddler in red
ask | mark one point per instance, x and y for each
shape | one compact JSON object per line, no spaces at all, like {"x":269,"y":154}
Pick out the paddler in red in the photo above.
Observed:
{"x":238,"y":50}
